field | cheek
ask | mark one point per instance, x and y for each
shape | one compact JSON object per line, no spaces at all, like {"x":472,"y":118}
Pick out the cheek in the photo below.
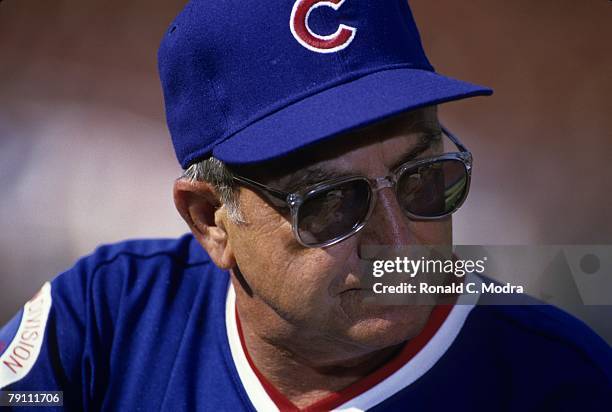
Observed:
{"x":295,"y":281}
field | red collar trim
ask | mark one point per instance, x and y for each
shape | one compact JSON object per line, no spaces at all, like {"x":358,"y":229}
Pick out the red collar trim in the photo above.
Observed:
{"x":410,"y":349}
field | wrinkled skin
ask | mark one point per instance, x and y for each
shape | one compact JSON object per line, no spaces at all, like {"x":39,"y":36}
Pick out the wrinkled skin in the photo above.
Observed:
{"x":301,"y":308}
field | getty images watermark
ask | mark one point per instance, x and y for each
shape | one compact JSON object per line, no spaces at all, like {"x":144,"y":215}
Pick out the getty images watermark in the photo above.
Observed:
{"x":559,"y":274}
{"x":436,"y":267}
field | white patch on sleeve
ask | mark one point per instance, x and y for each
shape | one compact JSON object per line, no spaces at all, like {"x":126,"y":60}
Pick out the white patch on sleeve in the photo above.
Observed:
{"x":21,"y":354}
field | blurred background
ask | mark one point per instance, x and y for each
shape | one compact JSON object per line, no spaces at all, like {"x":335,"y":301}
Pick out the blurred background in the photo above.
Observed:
{"x":85,"y":157}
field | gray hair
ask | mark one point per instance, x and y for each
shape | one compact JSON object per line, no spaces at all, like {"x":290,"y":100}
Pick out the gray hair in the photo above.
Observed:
{"x":216,"y":173}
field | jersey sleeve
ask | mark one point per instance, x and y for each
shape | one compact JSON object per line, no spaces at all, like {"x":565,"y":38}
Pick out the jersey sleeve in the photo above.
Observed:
{"x":57,"y":340}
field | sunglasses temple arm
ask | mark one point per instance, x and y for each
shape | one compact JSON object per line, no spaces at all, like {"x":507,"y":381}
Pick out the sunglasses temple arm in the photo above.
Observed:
{"x":455,"y":140}
{"x":276,"y":197}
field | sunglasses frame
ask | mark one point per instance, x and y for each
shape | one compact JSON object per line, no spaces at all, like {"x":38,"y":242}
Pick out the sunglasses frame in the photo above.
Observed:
{"x":294,"y":200}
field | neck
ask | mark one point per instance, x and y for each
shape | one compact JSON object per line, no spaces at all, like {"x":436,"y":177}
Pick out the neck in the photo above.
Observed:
{"x":304,"y":368}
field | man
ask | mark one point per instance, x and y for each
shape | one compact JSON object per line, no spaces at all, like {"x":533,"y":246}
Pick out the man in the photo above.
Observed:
{"x":308,"y":132}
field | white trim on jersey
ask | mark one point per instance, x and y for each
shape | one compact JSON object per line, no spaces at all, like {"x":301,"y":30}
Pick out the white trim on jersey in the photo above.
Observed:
{"x":20,"y":356}
{"x":416,"y":367}
{"x":253,"y":387}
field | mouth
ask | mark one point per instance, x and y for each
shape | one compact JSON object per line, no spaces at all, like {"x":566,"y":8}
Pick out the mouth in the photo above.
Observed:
{"x":350,"y":283}
{"x":353,"y":289}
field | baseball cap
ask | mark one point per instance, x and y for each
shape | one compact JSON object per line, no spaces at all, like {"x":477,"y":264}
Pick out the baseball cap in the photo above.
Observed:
{"x":250,"y":81}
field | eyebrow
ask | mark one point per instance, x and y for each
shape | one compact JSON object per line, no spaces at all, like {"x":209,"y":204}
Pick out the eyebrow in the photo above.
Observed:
{"x":315,"y":174}
{"x":426,"y":141}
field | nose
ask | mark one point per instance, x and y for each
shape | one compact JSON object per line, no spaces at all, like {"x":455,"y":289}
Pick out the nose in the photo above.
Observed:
{"x":388,"y":224}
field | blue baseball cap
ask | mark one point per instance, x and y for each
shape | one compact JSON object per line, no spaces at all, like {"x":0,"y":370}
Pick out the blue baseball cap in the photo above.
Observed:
{"x":249,"y":81}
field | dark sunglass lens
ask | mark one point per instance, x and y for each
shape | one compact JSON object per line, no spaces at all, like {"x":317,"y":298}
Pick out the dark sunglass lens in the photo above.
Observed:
{"x":333,"y":212}
{"x":433,"y":189}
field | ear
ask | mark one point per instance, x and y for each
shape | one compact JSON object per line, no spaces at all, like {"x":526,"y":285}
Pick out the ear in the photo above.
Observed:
{"x":200,"y":206}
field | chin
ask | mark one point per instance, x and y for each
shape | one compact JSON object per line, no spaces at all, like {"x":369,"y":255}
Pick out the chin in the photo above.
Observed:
{"x":377,"y":326}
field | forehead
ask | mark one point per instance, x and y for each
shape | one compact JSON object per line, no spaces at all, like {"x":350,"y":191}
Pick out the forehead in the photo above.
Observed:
{"x":388,"y":139}
{"x":385,"y":141}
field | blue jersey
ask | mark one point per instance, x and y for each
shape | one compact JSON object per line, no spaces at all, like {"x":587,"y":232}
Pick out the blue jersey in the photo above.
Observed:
{"x":151,"y":325}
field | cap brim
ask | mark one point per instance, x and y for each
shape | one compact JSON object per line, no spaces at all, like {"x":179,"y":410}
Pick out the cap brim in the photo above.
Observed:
{"x":340,"y":109}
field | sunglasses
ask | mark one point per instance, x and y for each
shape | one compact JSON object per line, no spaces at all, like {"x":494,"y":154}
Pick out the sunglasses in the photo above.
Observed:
{"x":329,"y":212}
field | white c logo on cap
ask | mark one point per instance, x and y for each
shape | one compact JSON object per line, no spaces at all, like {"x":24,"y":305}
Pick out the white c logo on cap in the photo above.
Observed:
{"x":315,"y":42}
